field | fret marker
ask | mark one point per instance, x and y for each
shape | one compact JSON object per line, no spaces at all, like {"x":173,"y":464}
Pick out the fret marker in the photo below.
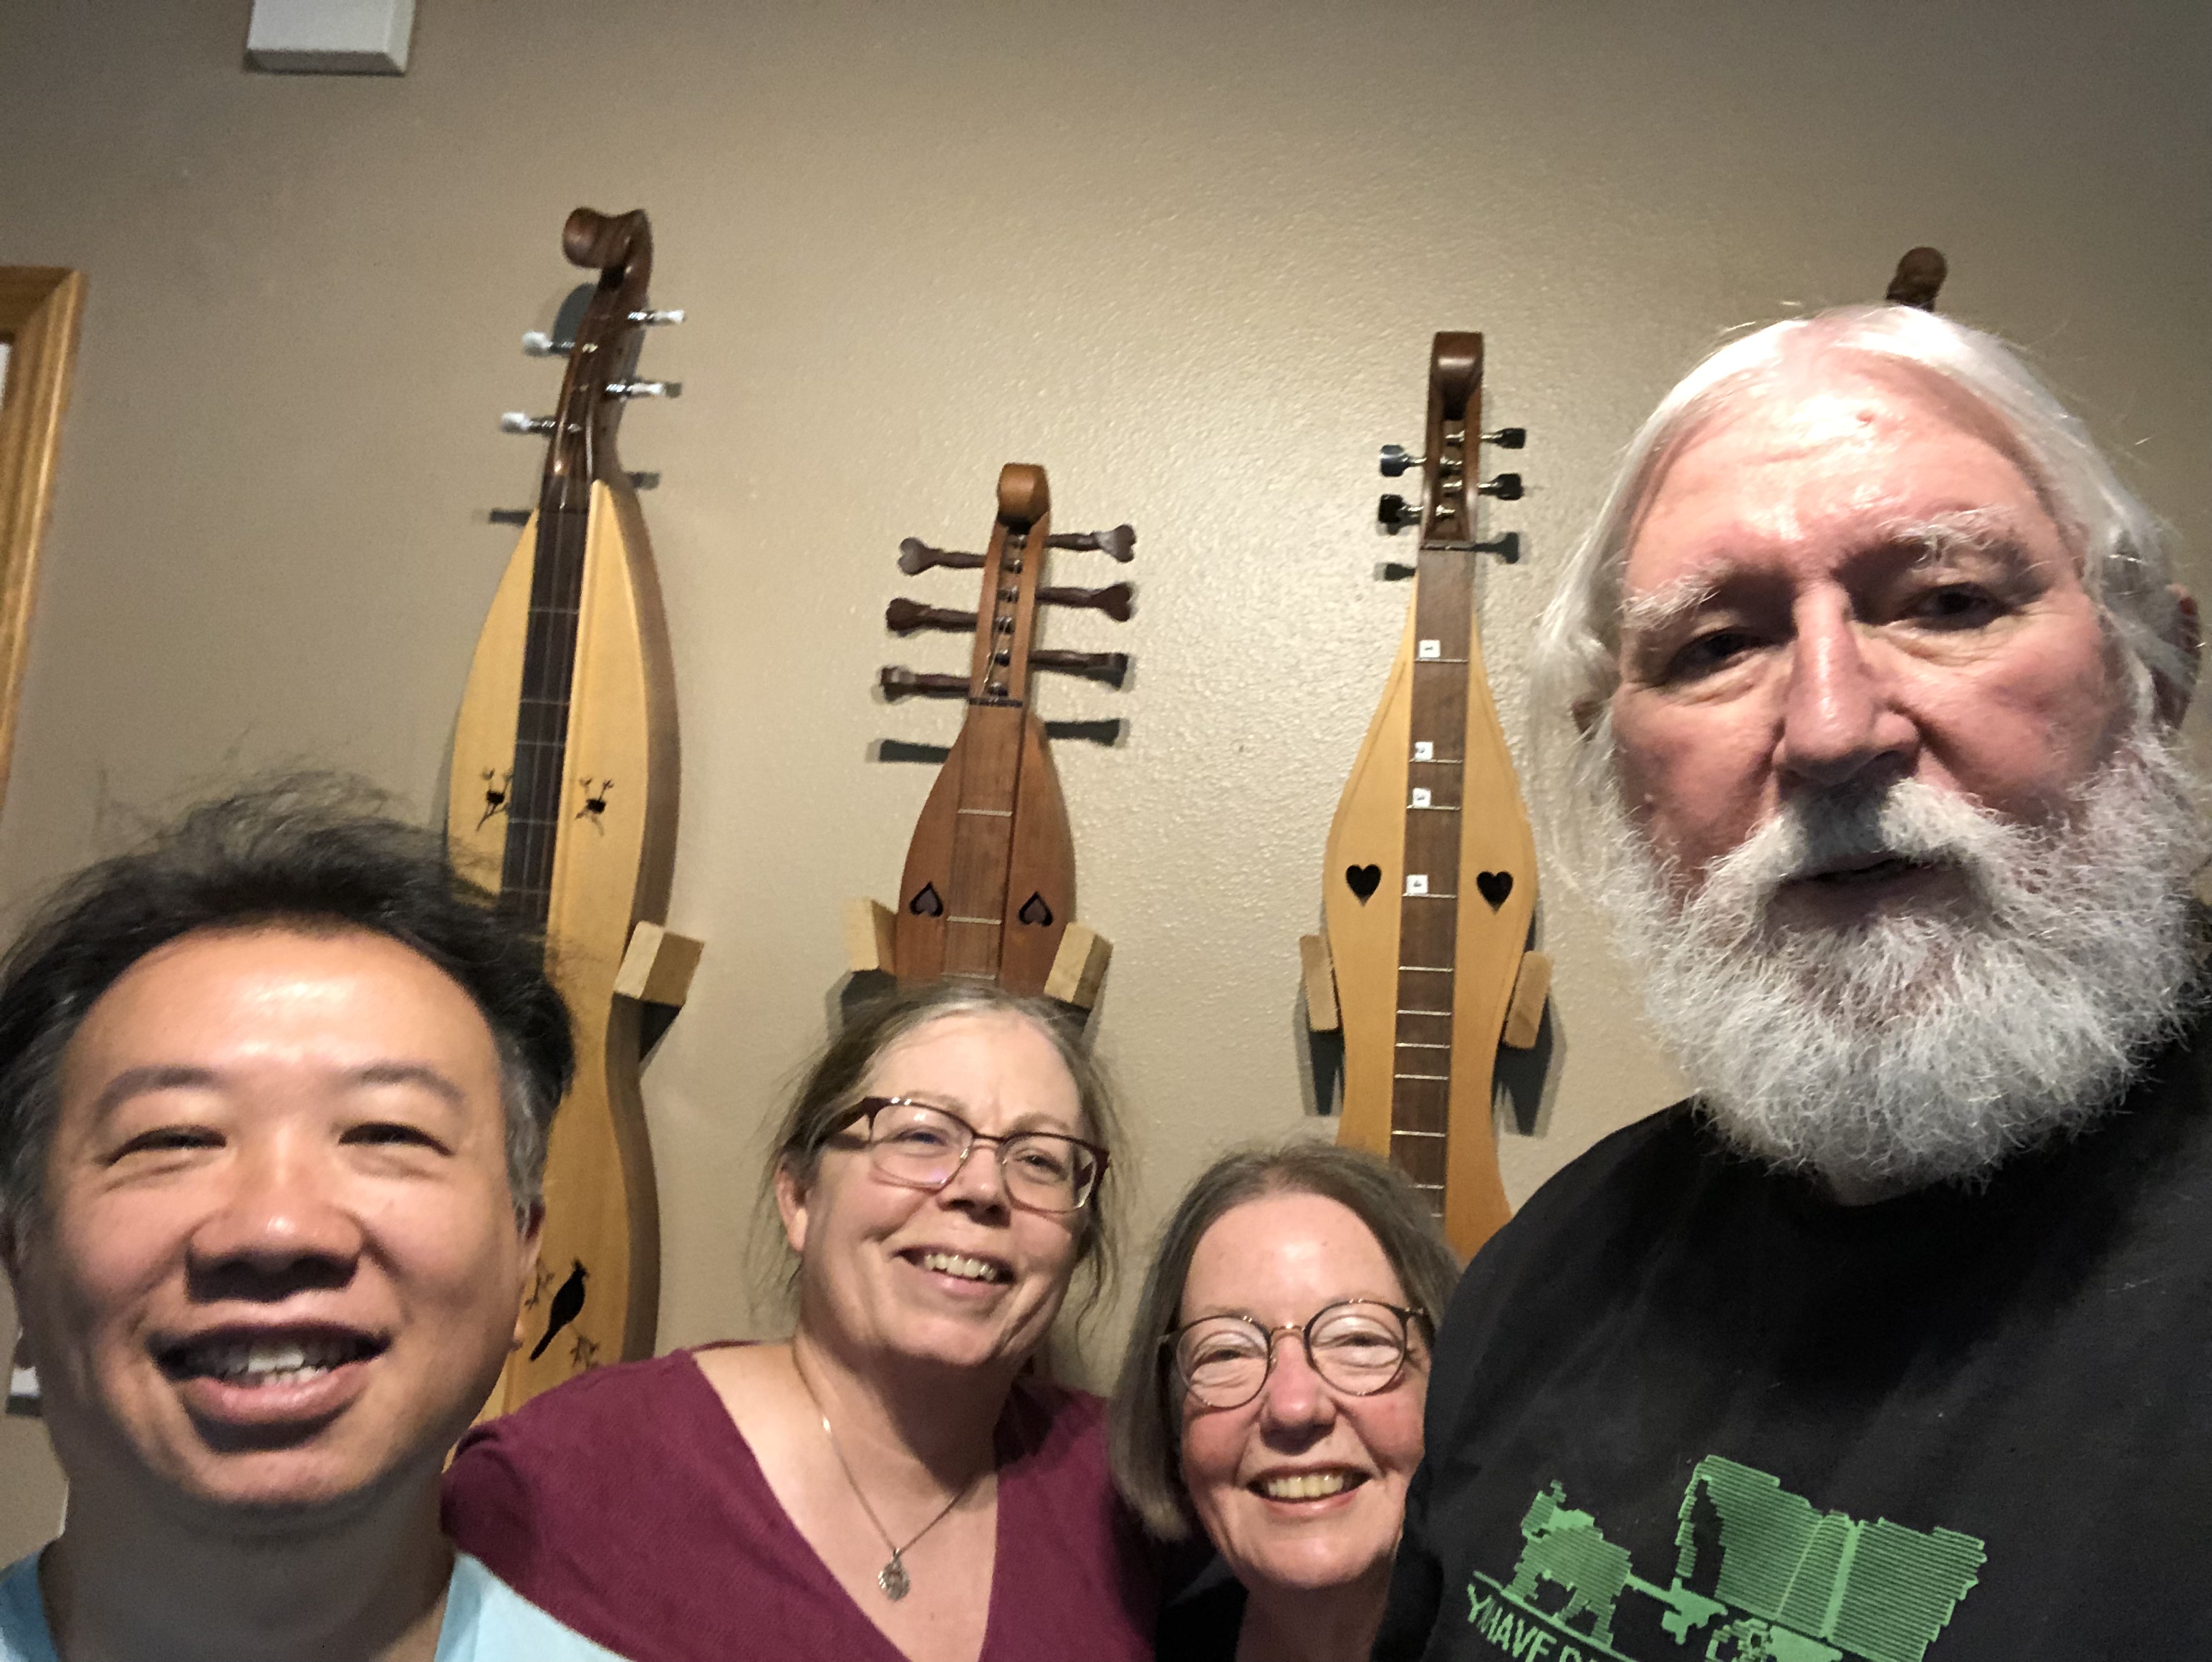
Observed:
{"x":1420,"y":797}
{"x":1429,"y":650}
{"x":1417,"y":883}
{"x":1424,"y":750}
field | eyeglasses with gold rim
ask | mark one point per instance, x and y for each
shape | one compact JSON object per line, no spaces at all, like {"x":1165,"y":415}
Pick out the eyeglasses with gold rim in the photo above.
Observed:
{"x":923,"y":1145}
{"x":1358,"y":1346}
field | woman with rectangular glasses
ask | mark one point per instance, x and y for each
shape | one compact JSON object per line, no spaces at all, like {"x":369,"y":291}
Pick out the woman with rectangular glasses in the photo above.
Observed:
{"x":1272,"y":1394}
{"x":893,"y":1483}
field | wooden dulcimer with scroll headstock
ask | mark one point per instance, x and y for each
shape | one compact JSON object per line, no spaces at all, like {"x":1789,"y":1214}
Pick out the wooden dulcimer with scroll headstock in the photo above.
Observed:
{"x":564,"y":783}
{"x":1432,"y":877}
{"x":989,"y":887}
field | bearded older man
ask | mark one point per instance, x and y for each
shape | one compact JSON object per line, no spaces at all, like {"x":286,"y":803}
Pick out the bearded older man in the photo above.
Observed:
{"x":1892,"y":1343}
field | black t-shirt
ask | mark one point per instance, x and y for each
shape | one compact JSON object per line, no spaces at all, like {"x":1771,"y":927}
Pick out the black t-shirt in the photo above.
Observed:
{"x":1685,"y":1407}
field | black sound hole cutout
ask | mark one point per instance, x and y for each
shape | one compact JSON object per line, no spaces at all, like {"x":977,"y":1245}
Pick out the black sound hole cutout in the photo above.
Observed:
{"x":1363,"y":880}
{"x":1034,"y":910}
{"x":926,"y":904}
{"x":1494,"y":886}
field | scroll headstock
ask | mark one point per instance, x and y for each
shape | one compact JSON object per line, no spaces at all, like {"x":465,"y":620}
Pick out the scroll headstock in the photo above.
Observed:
{"x":1005,"y":618}
{"x":1451,"y":460}
{"x":602,"y":356}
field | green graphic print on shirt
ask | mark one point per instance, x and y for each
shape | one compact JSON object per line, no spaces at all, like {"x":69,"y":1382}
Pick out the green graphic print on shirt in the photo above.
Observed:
{"x":1761,"y":1575}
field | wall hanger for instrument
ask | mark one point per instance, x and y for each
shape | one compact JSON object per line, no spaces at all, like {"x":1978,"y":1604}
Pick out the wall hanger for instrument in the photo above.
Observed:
{"x":1423,"y":963}
{"x":564,"y":783}
{"x":989,"y":885}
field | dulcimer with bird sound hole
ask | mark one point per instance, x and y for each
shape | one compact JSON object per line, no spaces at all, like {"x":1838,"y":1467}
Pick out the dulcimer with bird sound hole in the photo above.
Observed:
{"x":564,"y":783}
{"x":989,"y":886}
{"x":1431,"y":879}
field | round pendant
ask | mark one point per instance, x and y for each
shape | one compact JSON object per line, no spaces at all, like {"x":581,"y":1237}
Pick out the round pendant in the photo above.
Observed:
{"x":892,"y":1577}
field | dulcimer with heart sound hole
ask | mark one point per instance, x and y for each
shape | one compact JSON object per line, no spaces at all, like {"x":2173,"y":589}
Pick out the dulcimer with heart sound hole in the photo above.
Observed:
{"x":989,"y":886}
{"x":1432,"y":877}
{"x":564,"y":784}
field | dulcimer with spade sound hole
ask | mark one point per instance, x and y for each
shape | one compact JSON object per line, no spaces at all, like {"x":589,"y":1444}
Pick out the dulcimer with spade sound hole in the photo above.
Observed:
{"x":1431,"y":876}
{"x":989,"y":886}
{"x":564,"y":783}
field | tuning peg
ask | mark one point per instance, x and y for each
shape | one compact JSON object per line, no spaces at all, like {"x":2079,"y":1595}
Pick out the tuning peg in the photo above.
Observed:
{"x":1507,"y":438}
{"x":536,"y":344}
{"x":1394,"y":513}
{"x":1396,"y":461}
{"x":1120,"y":543}
{"x":1111,"y":667}
{"x":904,"y":616}
{"x":1507,"y":548}
{"x":645,"y":389}
{"x":916,"y":556}
{"x":515,"y":421}
{"x":655,"y":320}
{"x":1506,"y":487}
{"x":898,"y":682}
{"x":1115,"y":601}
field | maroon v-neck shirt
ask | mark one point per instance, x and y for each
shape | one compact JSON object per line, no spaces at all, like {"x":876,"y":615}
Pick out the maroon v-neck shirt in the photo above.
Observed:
{"x":628,"y":1505}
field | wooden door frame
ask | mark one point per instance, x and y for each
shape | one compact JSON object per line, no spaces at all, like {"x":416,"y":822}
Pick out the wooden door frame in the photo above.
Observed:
{"x":40,"y":307}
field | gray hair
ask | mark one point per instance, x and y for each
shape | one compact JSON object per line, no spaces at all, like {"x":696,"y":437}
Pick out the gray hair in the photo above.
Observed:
{"x":1574,"y":663}
{"x":1144,"y":1421}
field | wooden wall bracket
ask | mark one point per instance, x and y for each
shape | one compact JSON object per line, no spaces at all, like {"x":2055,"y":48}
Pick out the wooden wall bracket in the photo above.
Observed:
{"x":1078,"y":966}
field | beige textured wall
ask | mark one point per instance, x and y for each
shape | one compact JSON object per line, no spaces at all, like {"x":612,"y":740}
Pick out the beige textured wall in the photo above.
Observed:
{"x":1188,"y":255}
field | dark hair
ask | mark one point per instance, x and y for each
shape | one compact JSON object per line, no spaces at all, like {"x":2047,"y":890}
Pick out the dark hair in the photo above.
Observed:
{"x":822,"y":1104}
{"x":1145,"y":1422}
{"x":305,"y":852}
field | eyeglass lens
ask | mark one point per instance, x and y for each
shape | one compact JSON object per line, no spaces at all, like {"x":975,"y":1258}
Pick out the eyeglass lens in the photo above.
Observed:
{"x":915,"y":1143}
{"x":1358,"y":1347}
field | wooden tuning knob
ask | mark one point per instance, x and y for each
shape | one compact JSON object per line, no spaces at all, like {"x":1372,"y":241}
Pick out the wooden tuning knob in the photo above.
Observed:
{"x":1120,"y":543}
{"x":916,"y":556}
{"x":899,"y":682}
{"x":1111,"y":667}
{"x":1919,"y":278}
{"x":904,"y":617}
{"x":1117,"y":602}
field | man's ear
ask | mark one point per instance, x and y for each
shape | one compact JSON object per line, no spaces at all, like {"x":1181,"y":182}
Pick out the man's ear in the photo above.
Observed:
{"x":791,"y":1200}
{"x":532,"y":1228}
{"x":2189,"y":634}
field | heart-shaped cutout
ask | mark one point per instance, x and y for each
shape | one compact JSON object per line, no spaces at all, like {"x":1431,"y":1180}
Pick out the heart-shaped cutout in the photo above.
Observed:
{"x":1034,"y":910}
{"x":1494,"y":886}
{"x":1363,"y":880}
{"x":926,"y":904}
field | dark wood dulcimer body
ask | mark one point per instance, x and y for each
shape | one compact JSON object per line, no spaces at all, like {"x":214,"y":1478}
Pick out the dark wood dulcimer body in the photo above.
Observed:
{"x":564,"y":783}
{"x":989,"y":886}
{"x":1432,"y":876}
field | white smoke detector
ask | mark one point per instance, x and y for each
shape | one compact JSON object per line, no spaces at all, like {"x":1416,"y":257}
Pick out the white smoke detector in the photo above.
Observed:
{"x":331,"y":37}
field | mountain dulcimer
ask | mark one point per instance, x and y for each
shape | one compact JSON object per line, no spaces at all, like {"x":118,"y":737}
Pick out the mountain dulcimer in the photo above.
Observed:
{"x":989,"y":888}
{"x":564,"y":784}
{"x":1431,"y":879}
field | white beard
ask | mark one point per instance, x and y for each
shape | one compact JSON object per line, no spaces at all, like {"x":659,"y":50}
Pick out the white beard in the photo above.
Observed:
{"x":1925,"y":1044}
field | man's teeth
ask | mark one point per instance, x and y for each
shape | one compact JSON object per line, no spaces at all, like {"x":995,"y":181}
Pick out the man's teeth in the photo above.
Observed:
{"x":279,"y":1362}
{"x":967,"y":1269}
{"x":1305,"y":1485}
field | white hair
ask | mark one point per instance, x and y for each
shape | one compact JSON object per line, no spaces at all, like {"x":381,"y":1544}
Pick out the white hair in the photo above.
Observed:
{"x":1574,"y":663}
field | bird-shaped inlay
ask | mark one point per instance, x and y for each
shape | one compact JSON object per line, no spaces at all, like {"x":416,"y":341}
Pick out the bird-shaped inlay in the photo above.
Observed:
{"x":568,"y":1304}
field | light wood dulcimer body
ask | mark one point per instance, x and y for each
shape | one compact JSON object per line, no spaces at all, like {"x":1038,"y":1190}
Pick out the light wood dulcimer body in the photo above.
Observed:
{"x":1431,"y":878}
{"x":564,"y":783}
{"x":989,"y":886}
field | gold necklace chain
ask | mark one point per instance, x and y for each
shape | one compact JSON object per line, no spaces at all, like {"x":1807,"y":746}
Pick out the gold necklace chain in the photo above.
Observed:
{"x":892,"y":1577}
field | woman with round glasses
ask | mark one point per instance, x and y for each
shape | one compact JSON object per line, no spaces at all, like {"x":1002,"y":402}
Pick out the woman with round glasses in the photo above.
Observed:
{"x":894,"y":1481}
{"x":1272,"y":1394}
